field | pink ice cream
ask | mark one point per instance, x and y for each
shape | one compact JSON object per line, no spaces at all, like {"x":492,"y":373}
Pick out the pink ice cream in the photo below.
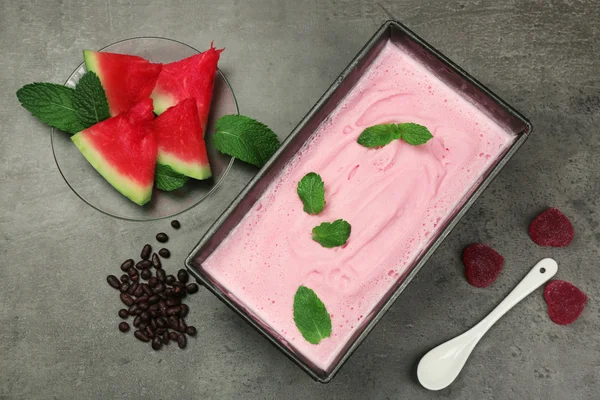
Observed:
{"x":396,"y":199}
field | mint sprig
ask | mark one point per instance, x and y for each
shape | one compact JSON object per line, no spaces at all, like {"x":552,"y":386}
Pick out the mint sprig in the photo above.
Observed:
{"x":168,"y":180}
{"x":332,"y":234}
{"x":311,"y":191}
{"x":311,"y":316}
{"x":52,"y":104}
{"x":383,"y":134}
{"x":62,"y":107}
{"x":90,"y":100}
{"x":245,"y":139}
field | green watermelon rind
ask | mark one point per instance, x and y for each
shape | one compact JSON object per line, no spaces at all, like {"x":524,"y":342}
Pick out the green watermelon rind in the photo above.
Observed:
{"x":162,"y":101}
{"x":191,"y":169}
{"x":91,"y":62}
{"x":132,"y":190}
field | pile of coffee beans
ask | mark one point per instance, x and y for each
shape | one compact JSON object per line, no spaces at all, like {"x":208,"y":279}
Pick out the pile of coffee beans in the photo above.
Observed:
{"x":156,"y":304}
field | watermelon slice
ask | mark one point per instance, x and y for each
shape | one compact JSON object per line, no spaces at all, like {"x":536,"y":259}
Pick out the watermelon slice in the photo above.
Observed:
{"x":123,"y":150}
{"x":180,"y":140}
{"x":191,"y":77}
{"x":126,"y":79}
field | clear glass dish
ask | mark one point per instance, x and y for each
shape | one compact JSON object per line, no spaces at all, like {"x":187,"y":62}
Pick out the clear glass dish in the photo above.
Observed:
{"x":91,"y":187}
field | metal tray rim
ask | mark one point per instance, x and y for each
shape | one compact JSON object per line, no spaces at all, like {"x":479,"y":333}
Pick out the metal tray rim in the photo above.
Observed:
{"x":426,"y":255}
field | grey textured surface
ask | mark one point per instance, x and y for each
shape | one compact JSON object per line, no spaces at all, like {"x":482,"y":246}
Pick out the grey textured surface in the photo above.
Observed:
{"x":58,"y":336}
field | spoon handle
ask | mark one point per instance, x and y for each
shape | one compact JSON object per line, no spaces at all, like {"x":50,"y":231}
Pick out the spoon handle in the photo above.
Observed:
{"x":540,"y":274}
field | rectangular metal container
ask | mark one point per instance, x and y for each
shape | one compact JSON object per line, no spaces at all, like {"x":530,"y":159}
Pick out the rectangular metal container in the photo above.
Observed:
{"x":448,"y":72}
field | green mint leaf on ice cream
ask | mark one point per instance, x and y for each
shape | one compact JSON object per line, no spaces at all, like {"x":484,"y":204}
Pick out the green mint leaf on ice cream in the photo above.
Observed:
{"x":245,"y":139}
{"x":311,"y":191}
{"x":90,"y":100}
{"x":52,"y":104}
{"x":168,"y":180}
{"x":332,"y":234}
{"x":311,"y":316}
{"x":383,"y":134}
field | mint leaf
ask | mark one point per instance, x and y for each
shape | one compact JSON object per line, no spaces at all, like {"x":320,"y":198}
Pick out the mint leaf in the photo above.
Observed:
{"x":168,"y":180}
{"x":311,"y":316}
{"x":52,"y":104}
{"x":379,"y":135}
{"x":245,"y":139}
{"x":414,"y":134}
{"x":90,"y":100}
{"x":311,"y":190}
{"x":332,"y":234}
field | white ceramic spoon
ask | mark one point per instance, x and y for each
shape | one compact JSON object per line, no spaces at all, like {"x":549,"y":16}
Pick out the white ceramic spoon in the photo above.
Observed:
{"x":440,"y":367}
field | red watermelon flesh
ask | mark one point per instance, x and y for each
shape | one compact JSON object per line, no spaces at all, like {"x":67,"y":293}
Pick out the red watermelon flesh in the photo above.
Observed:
{"x":126,"y":79}
{"x":180,"y":140}
{"x":123,"y":150}
{"x":192,"y":77}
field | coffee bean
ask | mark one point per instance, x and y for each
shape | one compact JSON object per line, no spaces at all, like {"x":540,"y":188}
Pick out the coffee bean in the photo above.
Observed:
{"x":169,"y":292}
{"x":170,"y":279}
{"x":113,"y":281}
{"x":132,"y":288}
{"x":184,"y":310}
{"x":153,"y":282}
{"x":123,"y":313}
{"x":153,"y":323}
{"x":124,"y":278}
{"x":191,"y":330}
{"x":162,"y":237}
{"x":163,"y":312}
{"x":164,"y":253}
{"x":145,"y":316}
{"x":181,"y":341}
{"x":173,"y":323}
{"x":127,"y":264}
{"x":138,"y":291}
{"x":144,"y":264}
{"x":135,"y":278}
{"x":156,"y":261}
{"x":162,"y":295}
{"x":183,"y":276}
{"x":126,"y":299}
{"x":161,"y":275}
{"x":173,"y":310}
{"x":123,"y":326}
{"x":153,"y":307}
{"x":160,"y":331}
{"x":192,"y":288}
{"x":173,"y":301}
{"x":147,"y":289}
{"x":132,"y":272}
{"x":182,"y":325}
{"x":136,"y":321}
{"x":160,"y":322}
{"x":162,"y":304}
{"x":149,"y":331}
{"x":178,"y":290}
{"x":146,"y":251}
{"x":124,"y":287}
{"x":153,"y":300}
{"x":154,"y":313}
{"x":141,"y":336}
{"x":146,"y":274}
{"x":173,"y":336}
{"x":141,"y":299}
{"x":157,"y":343}
{"x":159,"y":288}
{"x":166,"y":338}
{"x":143,"y":325}
{"x":144,"y":305}
{"x":133,"y":310}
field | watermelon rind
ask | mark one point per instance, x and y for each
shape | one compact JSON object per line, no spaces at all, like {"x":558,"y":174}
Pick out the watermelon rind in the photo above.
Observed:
{"x":134,"y":191}
{"x":162,"y":101}
{"x":191,"y":169}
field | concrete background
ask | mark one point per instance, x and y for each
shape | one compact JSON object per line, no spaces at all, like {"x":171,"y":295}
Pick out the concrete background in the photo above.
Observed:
{"x":58,"y":335}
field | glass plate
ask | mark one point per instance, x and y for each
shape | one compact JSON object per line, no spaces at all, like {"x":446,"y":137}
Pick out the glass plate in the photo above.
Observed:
{"x":91,"y":187}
